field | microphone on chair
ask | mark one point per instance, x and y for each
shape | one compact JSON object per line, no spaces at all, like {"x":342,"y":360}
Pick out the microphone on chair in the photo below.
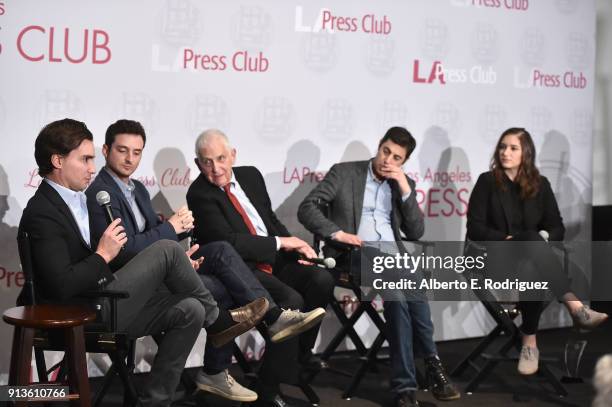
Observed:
{"x":328,"y":262}
{"x":103,"y":199}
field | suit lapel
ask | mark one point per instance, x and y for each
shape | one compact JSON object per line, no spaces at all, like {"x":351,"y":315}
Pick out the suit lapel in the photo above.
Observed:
{"x":111,"y":184}
{"x":395,"y":216}
{"x":146,"y":209}
{"x":55,"y":198}
{"x":251,"y":191}
{"x":247,"y":187}
{"x":359,"y":181}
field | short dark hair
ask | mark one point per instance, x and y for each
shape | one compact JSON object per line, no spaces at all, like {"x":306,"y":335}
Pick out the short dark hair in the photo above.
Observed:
{"x":58,"y":137}
{"x":401,"y":137}
{"x":124,"y":126}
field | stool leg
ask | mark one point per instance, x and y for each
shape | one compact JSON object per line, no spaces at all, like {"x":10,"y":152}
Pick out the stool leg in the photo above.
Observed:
{"x":21,"y":359}
{"x":41,"y":366}
{"x":15,"y":353}
{"x":77,"y":366}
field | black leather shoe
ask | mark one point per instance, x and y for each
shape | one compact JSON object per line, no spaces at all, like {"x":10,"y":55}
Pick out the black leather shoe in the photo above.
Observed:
{"x":439,"y":383}
{"x":407,"y":399}
{"x":311,"y":363}
{"x":277,"y":401}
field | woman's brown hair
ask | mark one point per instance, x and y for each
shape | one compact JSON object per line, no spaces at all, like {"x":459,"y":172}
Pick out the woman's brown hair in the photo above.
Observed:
{"x":528,"y":176}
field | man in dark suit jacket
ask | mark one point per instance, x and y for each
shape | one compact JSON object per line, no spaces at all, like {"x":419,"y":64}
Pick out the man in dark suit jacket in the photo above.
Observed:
{"x":165,"y":293}
{"x":375,"y":201}
{"x":223,"y":273}
{"x":232,"y":204}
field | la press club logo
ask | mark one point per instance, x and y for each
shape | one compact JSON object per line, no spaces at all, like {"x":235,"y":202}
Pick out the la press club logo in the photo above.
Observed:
{"x":37,"y":43}
{"x":515,"y":5}
{"x":333,"y":22}
{"x":578,"y":51}
{"x":539,"y":78}
{"x":437,"y":73}
{"x":239,"y":61}
{"x":251,"y":29}
{"x":484,"y":41}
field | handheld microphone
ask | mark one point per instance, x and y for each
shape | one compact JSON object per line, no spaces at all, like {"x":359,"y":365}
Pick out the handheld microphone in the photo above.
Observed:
{"x":328,"y":262}
{"x":544,"y":234}
{"x":103,"y":199}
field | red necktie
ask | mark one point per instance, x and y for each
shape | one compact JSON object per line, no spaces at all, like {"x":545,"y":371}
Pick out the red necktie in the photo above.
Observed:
{"x":265,"y":267}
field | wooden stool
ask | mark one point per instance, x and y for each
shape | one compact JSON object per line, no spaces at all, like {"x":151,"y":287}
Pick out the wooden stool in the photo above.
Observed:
{"x":70,"y":319}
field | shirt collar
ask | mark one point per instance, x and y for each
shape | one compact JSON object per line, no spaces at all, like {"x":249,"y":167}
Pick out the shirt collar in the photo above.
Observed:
{"x":128,"y":188}
{"x":231,"y":182}
{"x":68,"y":195}
{"x":371,"y":175}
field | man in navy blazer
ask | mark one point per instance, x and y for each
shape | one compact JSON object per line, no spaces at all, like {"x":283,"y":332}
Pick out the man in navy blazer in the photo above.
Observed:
{"x":223,"y":271}
{"x":130,"y":200}
{"x":154,"y":229}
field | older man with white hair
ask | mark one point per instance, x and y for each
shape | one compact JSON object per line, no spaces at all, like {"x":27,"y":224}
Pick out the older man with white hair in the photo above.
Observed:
{"x":232,"y":204}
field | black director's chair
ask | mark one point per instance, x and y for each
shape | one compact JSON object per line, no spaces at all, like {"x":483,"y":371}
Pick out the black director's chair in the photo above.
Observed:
{"x":249,"y":372}
{"x":504,"y":312}
{"x":348,"y":266}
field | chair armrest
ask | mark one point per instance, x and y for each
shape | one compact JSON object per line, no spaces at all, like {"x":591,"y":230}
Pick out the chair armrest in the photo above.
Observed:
{"x":340,"y":245}
{"x":424,"y":243}
{"x":105,"y":294}
{"x":348,"y":247}
{"x":113,"y":296}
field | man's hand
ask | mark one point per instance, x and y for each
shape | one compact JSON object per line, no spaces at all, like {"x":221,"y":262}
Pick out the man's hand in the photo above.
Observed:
{"x":347,"y":238}
{"x":194,"y":263}
{"x":396,"y":173}
{"x":182,"y":220}
{"x":111,"y":241}
{"x":295,"y":244}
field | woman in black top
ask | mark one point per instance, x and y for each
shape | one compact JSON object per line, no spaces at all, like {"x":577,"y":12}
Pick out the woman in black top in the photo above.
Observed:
{"x":513,"y":202}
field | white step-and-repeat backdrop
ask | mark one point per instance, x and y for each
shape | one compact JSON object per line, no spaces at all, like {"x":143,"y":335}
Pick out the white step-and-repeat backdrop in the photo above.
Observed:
{"x":298,"y":86}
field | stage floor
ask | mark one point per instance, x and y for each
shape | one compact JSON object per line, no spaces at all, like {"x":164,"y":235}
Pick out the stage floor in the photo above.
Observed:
{"x":503,"y":388}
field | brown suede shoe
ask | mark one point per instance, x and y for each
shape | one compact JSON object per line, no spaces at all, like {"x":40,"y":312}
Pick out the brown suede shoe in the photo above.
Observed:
{"x":252,"y":312}
{"x":588,"y":319}
{"x":246,"y":317}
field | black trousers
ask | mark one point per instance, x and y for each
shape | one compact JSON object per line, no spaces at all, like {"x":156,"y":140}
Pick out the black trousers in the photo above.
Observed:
{"x":545,"y":266}
{"x":295,"y":286}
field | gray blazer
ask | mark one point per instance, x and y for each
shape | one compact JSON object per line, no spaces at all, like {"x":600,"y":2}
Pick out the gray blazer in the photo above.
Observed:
{"x":343,"y":188}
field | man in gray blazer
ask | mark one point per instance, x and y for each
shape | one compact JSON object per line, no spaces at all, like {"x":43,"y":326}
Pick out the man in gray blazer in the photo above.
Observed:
{"x":374,"y":201}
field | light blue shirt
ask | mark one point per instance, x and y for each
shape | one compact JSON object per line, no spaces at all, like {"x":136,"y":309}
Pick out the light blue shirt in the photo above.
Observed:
{"x":77,"y":203}
{"x":245,"y":202}
{"x":375,"y":223}
{"x":128,"y":192}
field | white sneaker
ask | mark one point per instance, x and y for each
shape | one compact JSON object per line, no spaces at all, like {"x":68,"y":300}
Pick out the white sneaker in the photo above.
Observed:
{"x":224,"y":385}
{"x":291,"y":323}
{"x":528,"y":361}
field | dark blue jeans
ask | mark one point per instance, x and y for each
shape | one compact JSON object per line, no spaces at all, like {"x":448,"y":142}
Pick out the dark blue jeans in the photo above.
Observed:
{"x":410,"y":332}
{"x":232,"y":284}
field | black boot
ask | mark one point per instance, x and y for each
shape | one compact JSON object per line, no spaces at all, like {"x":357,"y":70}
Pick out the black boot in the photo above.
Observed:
{"x":438,"y":381}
